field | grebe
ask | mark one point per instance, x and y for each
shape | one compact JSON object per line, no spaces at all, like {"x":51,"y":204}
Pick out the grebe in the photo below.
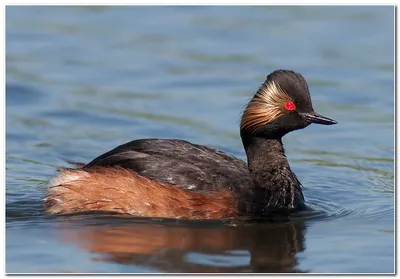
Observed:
{"x":172,"y":178}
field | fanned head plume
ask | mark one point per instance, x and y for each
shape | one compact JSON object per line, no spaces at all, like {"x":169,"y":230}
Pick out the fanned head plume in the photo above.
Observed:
{"x":267,"y":104}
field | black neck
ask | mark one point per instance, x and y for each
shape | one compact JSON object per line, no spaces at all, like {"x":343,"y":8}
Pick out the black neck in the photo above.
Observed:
{"x":276,"y":186}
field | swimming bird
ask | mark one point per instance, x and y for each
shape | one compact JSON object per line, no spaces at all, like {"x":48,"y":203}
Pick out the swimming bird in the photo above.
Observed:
{"x":172,"y":178}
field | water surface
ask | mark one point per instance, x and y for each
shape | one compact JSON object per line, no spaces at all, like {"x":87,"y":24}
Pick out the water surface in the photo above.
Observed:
{"x":82,"y":80}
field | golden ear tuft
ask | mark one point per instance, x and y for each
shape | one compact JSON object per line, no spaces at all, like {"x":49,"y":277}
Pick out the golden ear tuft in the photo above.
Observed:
{"x":268,"y":104}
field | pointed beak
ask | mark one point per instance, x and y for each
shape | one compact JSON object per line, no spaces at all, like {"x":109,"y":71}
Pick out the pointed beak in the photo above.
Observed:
{"x":314,"y":117}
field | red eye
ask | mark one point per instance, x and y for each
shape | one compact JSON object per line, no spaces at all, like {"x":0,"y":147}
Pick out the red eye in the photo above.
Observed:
{"x":290,"y":106}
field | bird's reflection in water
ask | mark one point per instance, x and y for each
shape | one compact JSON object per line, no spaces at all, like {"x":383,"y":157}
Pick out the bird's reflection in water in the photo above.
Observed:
{"x":261,"y":247}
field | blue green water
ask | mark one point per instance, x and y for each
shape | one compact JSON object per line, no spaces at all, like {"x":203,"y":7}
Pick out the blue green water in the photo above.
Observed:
{"x":82,"y":80}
